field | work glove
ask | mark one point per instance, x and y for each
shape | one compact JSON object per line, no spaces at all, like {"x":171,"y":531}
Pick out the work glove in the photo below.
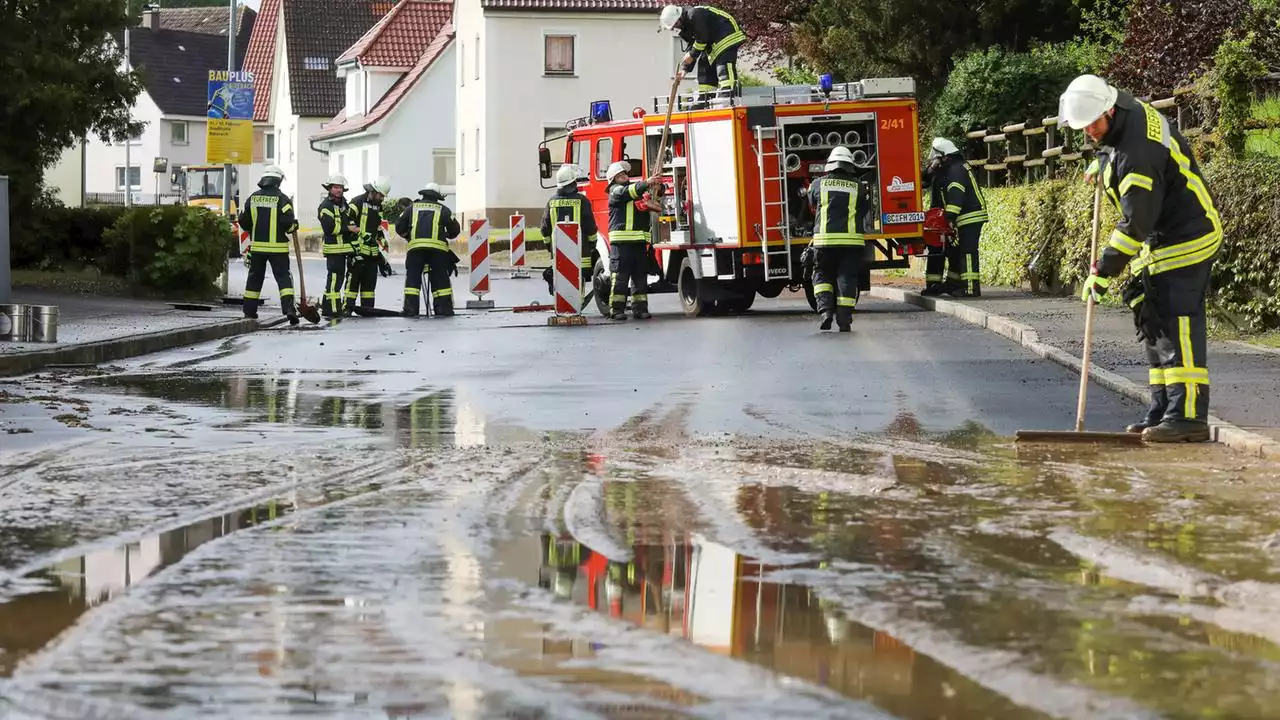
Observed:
{"x":453,"y":256}
{"x":1095,"y":284}
{"x":384,"y":267}
{"x":248,"y":256}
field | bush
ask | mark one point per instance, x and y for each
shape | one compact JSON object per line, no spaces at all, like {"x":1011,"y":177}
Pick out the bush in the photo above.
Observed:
{"x":1246,"y":284}
{"x":1166,"y":45}
{"x":171,"y":249}
{"x":56,"y":237}
{"x":990,"y":87}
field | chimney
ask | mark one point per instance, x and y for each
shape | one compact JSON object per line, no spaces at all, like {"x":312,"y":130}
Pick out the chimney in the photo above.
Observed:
{"x":151,"y":19}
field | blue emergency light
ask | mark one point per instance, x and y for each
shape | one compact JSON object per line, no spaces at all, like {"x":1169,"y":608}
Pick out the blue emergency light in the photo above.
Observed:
{"x":825,"y":83}
{"x":601,"y":112}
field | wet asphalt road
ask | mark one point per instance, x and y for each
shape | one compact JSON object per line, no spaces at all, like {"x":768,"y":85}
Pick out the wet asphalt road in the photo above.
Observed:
{"x":723,"y":517}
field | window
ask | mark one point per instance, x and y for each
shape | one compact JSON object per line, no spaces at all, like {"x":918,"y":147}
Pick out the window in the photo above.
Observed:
{"x":315,"y":63}
{"x":357,"y":99}
{"x":135,"y":178}
{"x":342,"y":164}
{"x":581,"y":153}
{"x":604,"y":156}
{"x":444,"y":167}
{"x":557,"y":54}
{"x":269,"y":151}
{"x":633,"y":151}
{"x":477,"y":149}
{"x":477,"y":56}
{"x":462,"y":152}
{"x":178,"y":132}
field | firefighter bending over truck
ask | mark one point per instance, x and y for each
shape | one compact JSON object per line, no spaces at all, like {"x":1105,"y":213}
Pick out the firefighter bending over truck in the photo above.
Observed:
{"x":569,"y":205}
{"x":838,"y":240}
{"x":268,"y":218}
{"x":711,"y":37}
{"x":629,"y":239}
{"x":339,"y":233}
{"x":953,"y":188}
{"x":1170,"y":230}
{"x":365,"y":212}
{"x":429,"y":225}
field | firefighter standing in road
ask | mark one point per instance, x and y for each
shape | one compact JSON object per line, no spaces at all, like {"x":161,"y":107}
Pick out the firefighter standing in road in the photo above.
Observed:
{"x":711,"y":37}
{"x":1171,"y":231}
{"x":629,"y":238}
{"x":838,"y":239}
{"x":268,"y":218}
{"x":954,"y":189}
{"x":569,"y":205}
{"x":365,"y":213}
{"x":428,"y":224}
{"x":338,"y":235}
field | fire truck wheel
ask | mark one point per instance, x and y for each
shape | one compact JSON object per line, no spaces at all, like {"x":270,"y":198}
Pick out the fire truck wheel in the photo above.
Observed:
{"x":808,"y":295}
{"x":692,"y":299}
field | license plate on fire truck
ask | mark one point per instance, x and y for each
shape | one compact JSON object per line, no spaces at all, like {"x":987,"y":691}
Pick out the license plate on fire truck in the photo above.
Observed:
{"x":902,"y":218}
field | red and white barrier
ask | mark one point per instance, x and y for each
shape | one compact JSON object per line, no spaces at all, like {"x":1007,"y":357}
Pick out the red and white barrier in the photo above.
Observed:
{"x":478,"y":249}
{"x":567,"y":253}
{"x":518,"y":269}
{"x":243,"y":237}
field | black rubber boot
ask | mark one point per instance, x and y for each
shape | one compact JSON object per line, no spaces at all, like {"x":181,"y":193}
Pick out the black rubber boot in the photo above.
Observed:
{"x":976,"y":291}
{"x":641,"y":311}
{"x":1177,"y":431}
{"x":828,"y":317}
{"x":1138,"y":427}
{"x":293,"y":318}
{"x":932,"y":289}
{"x":846,"y":328}
{"x":619,"y":312}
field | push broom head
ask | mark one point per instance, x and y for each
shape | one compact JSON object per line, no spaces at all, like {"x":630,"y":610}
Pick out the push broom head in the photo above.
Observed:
{"x":1082,"y":436}
{"x":309,"y":311}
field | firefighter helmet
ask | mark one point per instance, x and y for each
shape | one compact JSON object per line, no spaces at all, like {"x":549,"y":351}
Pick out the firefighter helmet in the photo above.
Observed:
{"x":566,"y":175}
{"x":273,"y":171}
{"x":670,"y":18}
{"x":839,"y":156}
{"x":339,"y":180}
{"x":944,"y":146}
{"x":622,"y":166}
{"x":432,"y":188}
{"x":1086,"y":99}
{"x":382,"y":185}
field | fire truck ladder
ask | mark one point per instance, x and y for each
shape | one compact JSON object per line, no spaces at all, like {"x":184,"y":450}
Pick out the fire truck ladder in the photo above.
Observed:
{"x":773,"y":173}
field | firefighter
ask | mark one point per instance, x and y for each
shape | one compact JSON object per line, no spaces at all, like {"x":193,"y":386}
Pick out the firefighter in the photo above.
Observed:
{"x":838,"y":200}
{"x":629,"y":238}
{"x":1170,"y":230}
{"x":954,"y":189}
{"x":338,"y":234}
{"x":711,"y":37}
{"x":268,"y":219}
{"x":428,"y":224}
{"x":365,"y":213}
{"x":569,"y":205}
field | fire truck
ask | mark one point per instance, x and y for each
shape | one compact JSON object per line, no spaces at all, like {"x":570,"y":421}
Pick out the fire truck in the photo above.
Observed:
{"x":734,"y":220}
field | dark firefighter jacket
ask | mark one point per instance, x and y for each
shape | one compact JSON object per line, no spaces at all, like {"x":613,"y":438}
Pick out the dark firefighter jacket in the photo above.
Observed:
{"x":709,"y":30}
{"x":428,"y":223}
{"x":837,"y":200}
{"x":1168,"y":219}
{"x":569,"y":205}
{"x":626,"y":223}
{"x":333,"y":222}
{"x":956,"y":191}
{"x":367,"y":216}
{"x":268,"y":218}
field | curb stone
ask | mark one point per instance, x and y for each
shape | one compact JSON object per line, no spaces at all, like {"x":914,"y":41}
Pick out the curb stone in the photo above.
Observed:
{"x":93,"y":353}
{"x":1222,"y":431}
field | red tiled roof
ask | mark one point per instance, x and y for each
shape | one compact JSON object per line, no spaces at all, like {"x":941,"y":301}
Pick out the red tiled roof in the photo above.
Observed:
{"x":629,"y":6}
{"x":397,"y":92}
{"x":261,"y":55}
{"x":400,"y":37}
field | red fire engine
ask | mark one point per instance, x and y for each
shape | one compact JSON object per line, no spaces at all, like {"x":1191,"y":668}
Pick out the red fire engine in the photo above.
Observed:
{"x":735,"y":218}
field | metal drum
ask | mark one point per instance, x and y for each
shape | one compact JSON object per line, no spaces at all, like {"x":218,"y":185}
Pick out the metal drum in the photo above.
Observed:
{"x":14,"y":323}
{"x":43,"y":326}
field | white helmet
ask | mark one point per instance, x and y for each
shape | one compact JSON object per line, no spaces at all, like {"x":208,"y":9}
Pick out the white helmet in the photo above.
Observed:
{"x":382,"y":185}
{"x":670,"y":16}
{"x":336,"y":179}
{"x":622,"y":166}
{"x":839,"y":156}
{"x":273,"y":171}
{"x":566,"y":175}
{"x":944,"y":146}
{"x":1086,"y":99}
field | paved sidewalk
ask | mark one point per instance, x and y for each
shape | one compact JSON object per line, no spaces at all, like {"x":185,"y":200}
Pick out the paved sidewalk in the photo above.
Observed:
{"x":1245,"y":379}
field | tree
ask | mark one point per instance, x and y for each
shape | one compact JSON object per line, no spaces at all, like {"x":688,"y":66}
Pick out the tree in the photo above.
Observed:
{"x":64,"y":78}
{"x":1166,"y":45}
{"x":768,"y":23}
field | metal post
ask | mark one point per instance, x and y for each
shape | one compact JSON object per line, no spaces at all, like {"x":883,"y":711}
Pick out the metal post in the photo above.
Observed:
{"x":227,"y":168}
{"x":128,"y":141}
{"x":6,"y":289}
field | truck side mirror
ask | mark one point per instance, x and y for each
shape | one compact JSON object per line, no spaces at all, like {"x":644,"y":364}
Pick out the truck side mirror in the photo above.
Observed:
{"x":544,"y":163}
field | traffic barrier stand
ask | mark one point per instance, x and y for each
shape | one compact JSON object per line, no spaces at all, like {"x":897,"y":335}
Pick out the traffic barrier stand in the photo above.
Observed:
{"x":478,"y":249}
{"x":534,"y":306}
{"x":566,"y":253}
{"x":518,"y":271}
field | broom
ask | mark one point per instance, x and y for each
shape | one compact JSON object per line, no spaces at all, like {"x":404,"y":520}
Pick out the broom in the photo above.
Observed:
{"x":305,"y":308}
{"x":1080,"y":435}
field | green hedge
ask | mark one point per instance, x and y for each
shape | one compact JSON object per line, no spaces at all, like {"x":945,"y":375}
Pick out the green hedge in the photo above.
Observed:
{"x":1245,"y":281}
{"x":55,"y":237}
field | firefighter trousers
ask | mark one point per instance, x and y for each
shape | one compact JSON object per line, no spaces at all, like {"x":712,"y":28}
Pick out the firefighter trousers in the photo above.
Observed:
{"x":258,"y":262}
{"x":719,"y":77}
{"x":959,"y":259}
{"x":1179,"y":369}
{"x":629,"y":263}
{"x":835,"y":280}
{"x":362,"y":281}
{"x":437,"y":264}
{"x":335,"y":282}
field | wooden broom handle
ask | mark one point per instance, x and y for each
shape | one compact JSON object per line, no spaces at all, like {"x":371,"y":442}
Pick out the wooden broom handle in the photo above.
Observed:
{"x":1088,"y":308}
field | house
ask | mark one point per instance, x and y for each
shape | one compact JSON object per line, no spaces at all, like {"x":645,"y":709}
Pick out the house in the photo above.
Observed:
{"x":292,"y":55}
{"x":174,"y":51}
{"x":526,"y":67}
{"x":399,"y":114}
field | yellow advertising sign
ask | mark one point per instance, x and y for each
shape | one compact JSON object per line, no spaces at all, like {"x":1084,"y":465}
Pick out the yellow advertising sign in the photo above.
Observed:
{"x":229,"y":142}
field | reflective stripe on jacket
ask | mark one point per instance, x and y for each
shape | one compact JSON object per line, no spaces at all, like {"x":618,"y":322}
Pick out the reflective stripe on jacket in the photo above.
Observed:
{"x":835,"y":199}
{"x":268,"y":219}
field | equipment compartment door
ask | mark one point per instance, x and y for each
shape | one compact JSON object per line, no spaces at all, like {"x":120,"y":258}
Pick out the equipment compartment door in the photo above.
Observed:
{"x":716,"y":178}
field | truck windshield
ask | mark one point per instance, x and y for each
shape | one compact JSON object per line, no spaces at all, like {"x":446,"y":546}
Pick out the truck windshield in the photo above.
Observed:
{"x":204,"y":183}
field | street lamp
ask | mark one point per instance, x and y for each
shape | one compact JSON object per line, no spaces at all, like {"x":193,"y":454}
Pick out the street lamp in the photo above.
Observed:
{"x":128,"y":140}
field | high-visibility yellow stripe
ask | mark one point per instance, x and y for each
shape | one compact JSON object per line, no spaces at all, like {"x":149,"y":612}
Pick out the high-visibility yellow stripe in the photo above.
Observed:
{"x":846,"y":302}
{"x":1156,"y":376}
{"x":956,"y":185}
{"x":1188,"y":361}
{"x":415,"y":292}
{"x":953,"y":209}
{"x":1124,"y":243}
{"x":269,"y":247}
{"x":1194,"y":376}
{"x":823,"y":287}
{"x":252,"y":295}
{"x":336,"y":249}
{"x":1137,"y":180}
{"x":628,"y":235}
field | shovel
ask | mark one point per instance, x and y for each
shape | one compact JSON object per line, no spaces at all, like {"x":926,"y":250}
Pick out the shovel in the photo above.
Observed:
{"x":1080,"y":435}
{"x":305,"y":308}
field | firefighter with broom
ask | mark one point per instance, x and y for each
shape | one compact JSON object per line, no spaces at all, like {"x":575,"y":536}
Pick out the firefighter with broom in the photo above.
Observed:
{"x":268,"y":218}
{"x":1168,"y":235}
{"x":428,"y":224}
{"x":712,"y":37}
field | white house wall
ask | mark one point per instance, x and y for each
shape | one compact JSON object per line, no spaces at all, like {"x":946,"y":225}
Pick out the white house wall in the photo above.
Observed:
{"x":102,"y":159}
{"x":421,"y":123}
{"x":349,"y":157}
{"x":473,"y":98}
{"x":65,"y":177}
